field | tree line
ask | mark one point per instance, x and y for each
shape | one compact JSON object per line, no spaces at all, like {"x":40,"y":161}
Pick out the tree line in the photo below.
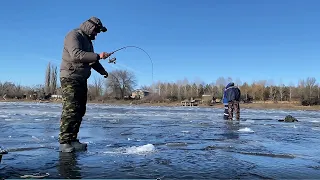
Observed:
{"x":121,"y":83}
{"x":118,"y":85}
{"x":307,"y":92}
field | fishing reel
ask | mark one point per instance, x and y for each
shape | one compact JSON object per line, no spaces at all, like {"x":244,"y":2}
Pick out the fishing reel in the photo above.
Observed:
{"x":112,"y":60}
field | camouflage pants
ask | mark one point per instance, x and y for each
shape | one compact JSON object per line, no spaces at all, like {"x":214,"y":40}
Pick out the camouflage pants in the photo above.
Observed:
{"x":234,"y":106}
{"x":74,"y":100}
{"x":226,"y":111}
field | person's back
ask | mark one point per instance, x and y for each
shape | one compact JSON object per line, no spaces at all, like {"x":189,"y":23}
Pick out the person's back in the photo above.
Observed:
{"x":75,"y":56}
{"x":233,"y":95}
{"x":225,"y":101}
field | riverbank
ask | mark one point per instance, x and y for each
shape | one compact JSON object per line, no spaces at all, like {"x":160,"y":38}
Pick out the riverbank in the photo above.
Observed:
{"x":258,"y":105}
{"x":254,"y":105}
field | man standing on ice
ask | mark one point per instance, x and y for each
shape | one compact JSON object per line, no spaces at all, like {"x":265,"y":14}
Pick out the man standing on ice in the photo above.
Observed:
{"x":225,"y":102}
{"x":78,"y":58}
{"x":232,"y":95}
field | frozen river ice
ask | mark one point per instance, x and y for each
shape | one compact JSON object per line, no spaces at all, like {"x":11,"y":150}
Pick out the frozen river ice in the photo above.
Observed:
{"x":161,"y":142}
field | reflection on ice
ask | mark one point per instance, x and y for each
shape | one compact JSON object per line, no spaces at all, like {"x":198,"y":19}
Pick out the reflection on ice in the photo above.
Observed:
{"x":246,"y":129}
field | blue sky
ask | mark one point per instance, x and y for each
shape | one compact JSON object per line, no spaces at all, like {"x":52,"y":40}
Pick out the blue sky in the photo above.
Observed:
{"x":201,"y":41}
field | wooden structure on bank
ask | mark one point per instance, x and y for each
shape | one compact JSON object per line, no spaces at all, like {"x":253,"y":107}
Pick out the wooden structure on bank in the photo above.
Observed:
{"x":191,"y":102}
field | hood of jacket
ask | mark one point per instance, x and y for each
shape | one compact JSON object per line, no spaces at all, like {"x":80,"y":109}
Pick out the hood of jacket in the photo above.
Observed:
{"x":88,"y":28}
{"x":229,"y":85}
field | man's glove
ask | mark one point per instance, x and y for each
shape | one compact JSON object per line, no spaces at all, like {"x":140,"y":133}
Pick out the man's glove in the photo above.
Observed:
{"x":104,"y":55}
{"x":105,"y":75}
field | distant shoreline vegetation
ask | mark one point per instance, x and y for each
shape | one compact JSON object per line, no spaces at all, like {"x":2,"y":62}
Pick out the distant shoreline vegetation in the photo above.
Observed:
{"x":284,"y":105}
{"x":120,"y":87}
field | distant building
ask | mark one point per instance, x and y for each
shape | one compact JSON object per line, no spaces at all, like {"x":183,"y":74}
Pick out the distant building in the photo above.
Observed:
{"x":139,"y":93}
{"x":56,"y":96}
{"x":207,"y":97}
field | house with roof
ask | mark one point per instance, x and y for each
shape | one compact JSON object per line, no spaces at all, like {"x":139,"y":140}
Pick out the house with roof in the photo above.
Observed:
{"x":139,"y":93}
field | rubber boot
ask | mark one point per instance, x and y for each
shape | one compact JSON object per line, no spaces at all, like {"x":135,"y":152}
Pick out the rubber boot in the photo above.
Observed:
{"x":66,"y":148}
{"x":79,"y":146}
{"x":2,"y":152}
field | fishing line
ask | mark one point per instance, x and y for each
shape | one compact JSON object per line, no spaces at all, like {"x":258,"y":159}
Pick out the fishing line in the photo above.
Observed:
{"x":113,"y":60}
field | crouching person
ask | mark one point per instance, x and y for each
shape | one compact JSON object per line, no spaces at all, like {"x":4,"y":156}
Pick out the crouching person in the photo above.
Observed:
{"x":232,"y":94}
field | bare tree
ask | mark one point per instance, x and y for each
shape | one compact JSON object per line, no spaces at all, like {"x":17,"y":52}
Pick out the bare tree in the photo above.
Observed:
{"x":144,"y":87}
{"x":238,"y":82}
{"x":318,"y":91}
{"x":179,"y":94}
{"x":194,"y":90}
{"x":200,"y":90}
{"x":229,"y":79}
{"x":221,"y":83}
{"x":169,"y":90}
{"x":53,"y":79}
{"x":291,"y":86}
{"x":261,"y":89}
{"x":47,"y":79}
{"x":254,"y":90}
{"x":271,"y":94}
{"x":245,"y":89}
{"x":97,"y":87}
{"x":207,"y":89}
{"x":162,"y":89}
{"x":281,"y":91}
{"x":310,"y":83}
{"x":8,"y":88}
{"x":301,"y":86}
{"x":121,"y":82}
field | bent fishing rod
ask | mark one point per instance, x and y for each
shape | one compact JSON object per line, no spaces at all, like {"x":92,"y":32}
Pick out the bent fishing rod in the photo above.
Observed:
{"x":113,"y":59}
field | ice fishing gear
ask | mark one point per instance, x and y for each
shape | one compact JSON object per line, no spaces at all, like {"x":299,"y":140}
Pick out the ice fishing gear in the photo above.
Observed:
{"x":2,"y":152}
{"x":113,"y":59}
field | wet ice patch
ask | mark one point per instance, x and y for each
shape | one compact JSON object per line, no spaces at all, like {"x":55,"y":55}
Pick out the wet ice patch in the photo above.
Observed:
{"x":114,"y":121}
{"x":316,"y":129}
{"x":133,"y":139}
{"x":42,"y":119}
{"x":315,"y":121}
{"x":249,"y":121}
{"x":12,"y":119}
{"x":140,"y":149}
{"x":144,"y":149}
{"x":174,"y":144}
{"x":98,"y":117}
{"x":291,"y":126}
{"x":246,"y":129}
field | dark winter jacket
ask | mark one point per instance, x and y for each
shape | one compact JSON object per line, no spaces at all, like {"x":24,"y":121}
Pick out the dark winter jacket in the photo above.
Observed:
{"x":232,"y":93}
{"x":78,"y":54}
{"x":225,"y":100}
